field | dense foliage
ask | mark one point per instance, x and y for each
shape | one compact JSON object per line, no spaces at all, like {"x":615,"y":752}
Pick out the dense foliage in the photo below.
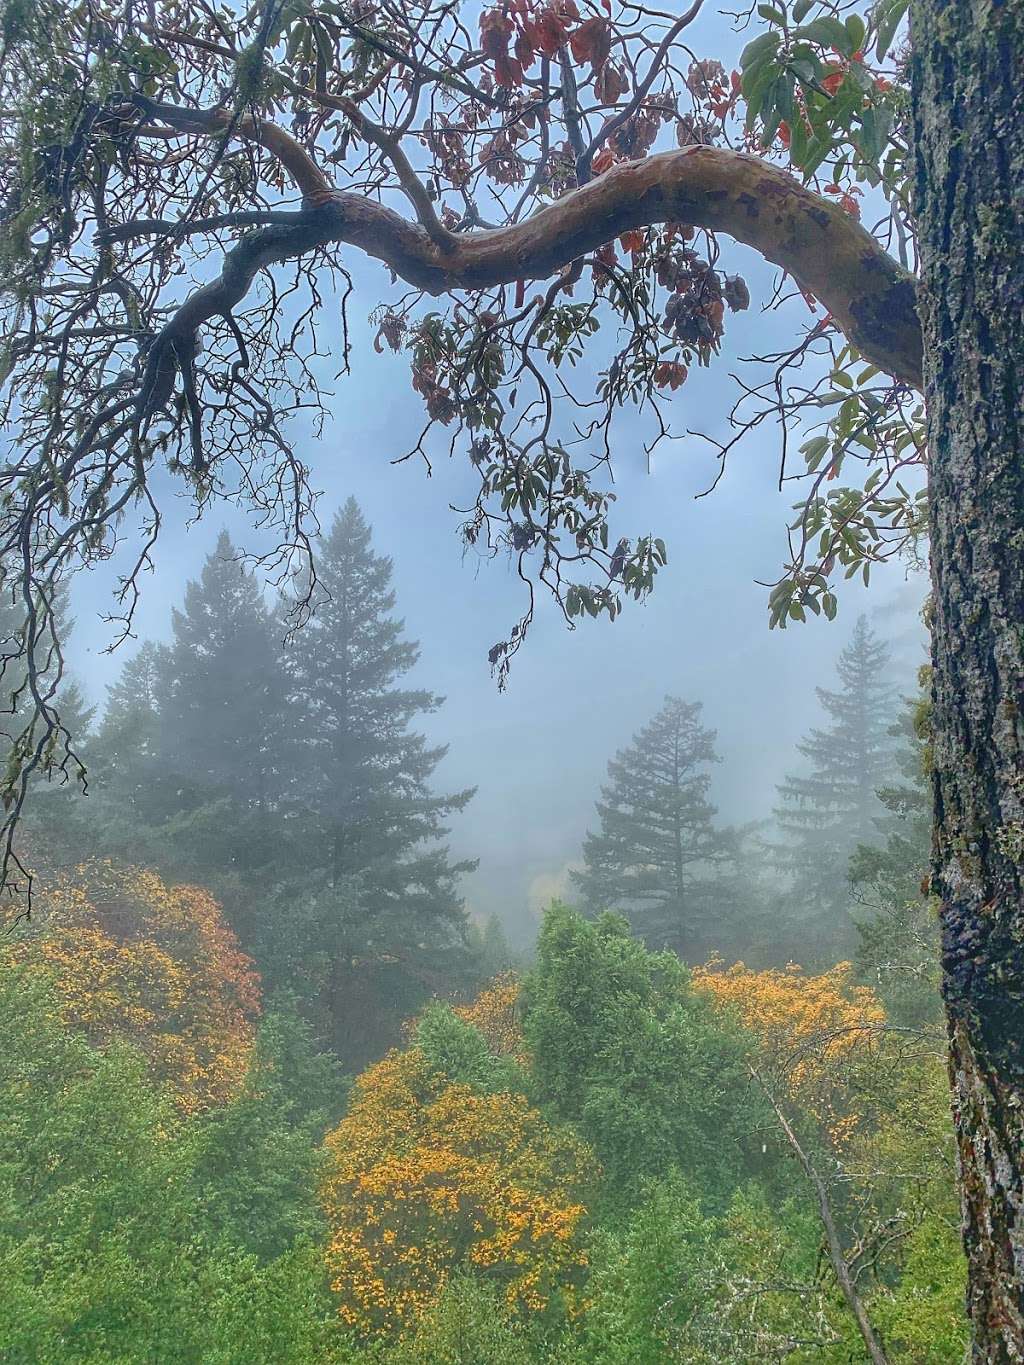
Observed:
{"x":534,"y":173}
{"x":612,"y":1155}
{"x":287,"y":777}
{"x":579,"y":1167}
{"x":138,"y":961}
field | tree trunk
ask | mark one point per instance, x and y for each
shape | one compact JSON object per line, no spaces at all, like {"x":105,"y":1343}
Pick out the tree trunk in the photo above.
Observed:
{"x":968,"y":67}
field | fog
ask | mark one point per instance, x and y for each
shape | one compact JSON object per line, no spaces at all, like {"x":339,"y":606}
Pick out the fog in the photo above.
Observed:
{"x":537,"y":752}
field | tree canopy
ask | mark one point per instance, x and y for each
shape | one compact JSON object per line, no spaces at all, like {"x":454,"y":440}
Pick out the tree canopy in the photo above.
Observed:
{"x":162,"y":159}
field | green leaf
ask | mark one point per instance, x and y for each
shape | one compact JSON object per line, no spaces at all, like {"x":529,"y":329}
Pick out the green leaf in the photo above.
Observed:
{"x":798,"y":142}
{"x":814,"y":451}
{"x":761,"y":46}
{"x":867,"y":137}
{"x":756,"y":83}
{"x":856,"y":29}
{"x":829,"y":32}
{"x":807,"y":67}
{"x":818,"y":149}
{"x":783,"y":97}
{"x":801,"y":10}
{"x":889,"y":19}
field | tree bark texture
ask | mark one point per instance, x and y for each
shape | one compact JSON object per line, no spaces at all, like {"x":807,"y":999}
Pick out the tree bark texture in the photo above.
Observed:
{"x":968,"y":70}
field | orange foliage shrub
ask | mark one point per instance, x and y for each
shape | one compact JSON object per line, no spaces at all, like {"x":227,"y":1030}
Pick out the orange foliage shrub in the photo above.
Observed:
{"x":425,"y":1176}
{"x":495,"y":1014}
{"x":810,"y":1027}
{"x":156,"y":965}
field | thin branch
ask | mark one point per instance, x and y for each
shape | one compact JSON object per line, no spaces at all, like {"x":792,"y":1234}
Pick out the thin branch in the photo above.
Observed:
{"x":833,"y":1241}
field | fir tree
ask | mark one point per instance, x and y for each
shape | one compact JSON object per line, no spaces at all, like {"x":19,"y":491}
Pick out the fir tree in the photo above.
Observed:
{"x":897,"y":926}
{"x":657,"y":851}
{"x":221,"y":685}
{"x":826,"y":812}
{"x":191,"y":754}
{"x":379,"y":886}
{"x":129,"y":757}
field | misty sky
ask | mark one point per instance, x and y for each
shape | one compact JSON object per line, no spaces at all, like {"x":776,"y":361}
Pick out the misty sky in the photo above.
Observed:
{"x":538,"y":752}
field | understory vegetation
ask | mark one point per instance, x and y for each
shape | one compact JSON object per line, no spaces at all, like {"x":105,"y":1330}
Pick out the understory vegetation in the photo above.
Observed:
{"x":269,"y":1093}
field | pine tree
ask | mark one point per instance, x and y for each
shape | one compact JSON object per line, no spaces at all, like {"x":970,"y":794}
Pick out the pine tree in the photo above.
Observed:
{"x":898,"y":952}
{"x":129,"y":757}
{"x":657,"y":855}
{"x":190,"y":759}
{"x":221,"y":685}
{"x":379,"y":887}
{"x":826,"y":812}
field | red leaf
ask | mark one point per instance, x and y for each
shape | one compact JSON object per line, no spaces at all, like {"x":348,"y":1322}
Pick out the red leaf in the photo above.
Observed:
{"x":525,"y":54}
{"x":610,"y":84}
{"x":508,"y":72}
{"x":592,"y":41}
{"x":549,"y":31}
{"x":670,"y":374}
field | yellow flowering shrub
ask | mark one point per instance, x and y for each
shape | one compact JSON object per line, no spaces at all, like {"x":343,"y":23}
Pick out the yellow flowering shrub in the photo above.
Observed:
{"x":809,"y":1027}
{"x":135,"y":959}
{"x":425,"y":1177}
{"x":495,"y":1014}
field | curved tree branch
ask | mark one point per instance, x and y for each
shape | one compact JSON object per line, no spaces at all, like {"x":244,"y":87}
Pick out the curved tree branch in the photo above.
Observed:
{"x":309,"y":179}
{"x":868,"y":294}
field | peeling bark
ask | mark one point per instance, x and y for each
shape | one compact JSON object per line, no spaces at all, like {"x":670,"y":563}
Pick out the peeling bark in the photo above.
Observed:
{"x":968,"y":66}
{"x":870,"y":296}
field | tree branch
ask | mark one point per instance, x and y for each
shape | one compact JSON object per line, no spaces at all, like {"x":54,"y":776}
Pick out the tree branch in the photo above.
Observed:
{"x":309,"y":179}
{"x":868,"y":294}
{"x":835,"y":1246}
{"x":412,"y":187}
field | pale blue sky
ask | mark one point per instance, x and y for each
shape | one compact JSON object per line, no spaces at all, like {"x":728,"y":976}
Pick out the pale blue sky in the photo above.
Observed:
{"x":538,"y":752}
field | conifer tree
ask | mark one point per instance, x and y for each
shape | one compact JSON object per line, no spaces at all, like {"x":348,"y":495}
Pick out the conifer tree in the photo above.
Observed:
{"x":898,"y":951}
{"x":824,"y":813}
{"x":129,"y":758}
{"x":190,"y":756}
{"x":221,"y":685}
{"x":657,"y":855}
{"x":378,"y":893}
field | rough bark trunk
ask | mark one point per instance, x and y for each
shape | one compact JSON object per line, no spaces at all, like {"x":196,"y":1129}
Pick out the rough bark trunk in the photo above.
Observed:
{"x":968,"y":69}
